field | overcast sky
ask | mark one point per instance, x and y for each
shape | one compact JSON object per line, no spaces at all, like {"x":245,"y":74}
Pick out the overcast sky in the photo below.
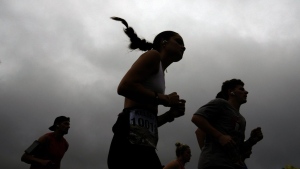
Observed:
{"x":67,"y":57}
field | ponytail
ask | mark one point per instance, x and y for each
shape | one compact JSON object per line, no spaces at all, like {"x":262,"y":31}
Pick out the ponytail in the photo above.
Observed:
{"x":136,"y":42}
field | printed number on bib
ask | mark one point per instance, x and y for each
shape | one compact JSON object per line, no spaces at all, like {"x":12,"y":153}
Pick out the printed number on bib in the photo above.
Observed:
{"x":143,"y":119}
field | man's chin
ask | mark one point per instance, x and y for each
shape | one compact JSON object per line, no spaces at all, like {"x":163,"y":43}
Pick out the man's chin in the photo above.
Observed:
{"x":245,"y":101}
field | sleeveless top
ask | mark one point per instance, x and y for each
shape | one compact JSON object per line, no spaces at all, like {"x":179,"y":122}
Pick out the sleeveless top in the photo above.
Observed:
{"x":143,"y":123}
{"x":156,"y":82}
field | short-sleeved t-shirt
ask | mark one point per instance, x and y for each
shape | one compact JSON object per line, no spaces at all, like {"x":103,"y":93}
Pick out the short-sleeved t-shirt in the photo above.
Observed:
{"x":227,"y":120}
{"x":52,"y":149}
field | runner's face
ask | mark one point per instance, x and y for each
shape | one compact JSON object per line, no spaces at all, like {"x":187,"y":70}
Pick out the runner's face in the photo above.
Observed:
{"x":187,"y":155}
{"x":175,"y":46}
{"x":240,"y":94}
{"x":64,"y":127}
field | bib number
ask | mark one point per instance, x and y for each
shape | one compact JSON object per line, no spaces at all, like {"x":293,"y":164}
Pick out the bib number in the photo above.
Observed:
{"x":143,"y":128}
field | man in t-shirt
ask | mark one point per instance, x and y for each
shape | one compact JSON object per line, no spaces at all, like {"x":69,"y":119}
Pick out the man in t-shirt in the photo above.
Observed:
{"x":225,"y":127}
{"x":49,"y":149}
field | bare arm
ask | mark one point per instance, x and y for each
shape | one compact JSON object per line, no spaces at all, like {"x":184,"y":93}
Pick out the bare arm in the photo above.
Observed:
{"x":200,"y":137}
{"x":131,"y":85}
{"x":173,"y":113}
{"x":30,"y":158}
{"x":204,"y":125}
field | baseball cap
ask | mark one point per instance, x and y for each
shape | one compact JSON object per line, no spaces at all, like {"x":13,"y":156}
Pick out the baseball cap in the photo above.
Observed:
{"x":57,"y":121}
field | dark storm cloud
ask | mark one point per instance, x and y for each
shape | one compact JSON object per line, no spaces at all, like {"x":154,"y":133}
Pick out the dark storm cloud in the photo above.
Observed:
{"x":67,"y":58}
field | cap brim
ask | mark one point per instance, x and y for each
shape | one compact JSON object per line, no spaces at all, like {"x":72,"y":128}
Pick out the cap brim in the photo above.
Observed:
{"x":52,"y":128}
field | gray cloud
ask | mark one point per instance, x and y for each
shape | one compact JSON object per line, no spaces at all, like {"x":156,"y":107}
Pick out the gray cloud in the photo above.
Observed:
{"x":67,"y":57}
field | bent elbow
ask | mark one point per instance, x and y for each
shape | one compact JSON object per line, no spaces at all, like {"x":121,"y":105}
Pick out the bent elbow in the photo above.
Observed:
{"x":197,"y":119}
{"x":193,"y":118}
{"x":23,"y":159}
{"x":125,"y":88}
{"x":121,"y":90}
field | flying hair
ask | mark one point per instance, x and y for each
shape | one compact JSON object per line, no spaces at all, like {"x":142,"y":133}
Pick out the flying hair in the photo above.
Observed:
{"x":136,"y":42}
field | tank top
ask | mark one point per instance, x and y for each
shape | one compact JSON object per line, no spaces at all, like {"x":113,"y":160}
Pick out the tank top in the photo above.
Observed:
{"x":156,"y":82}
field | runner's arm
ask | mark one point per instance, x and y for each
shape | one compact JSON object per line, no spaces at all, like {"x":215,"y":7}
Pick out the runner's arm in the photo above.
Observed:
{"x":203,"y":124}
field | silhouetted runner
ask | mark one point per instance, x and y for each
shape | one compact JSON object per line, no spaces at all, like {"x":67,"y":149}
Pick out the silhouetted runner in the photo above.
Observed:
{"x":143,"y":86}
{"x":48,"y":151}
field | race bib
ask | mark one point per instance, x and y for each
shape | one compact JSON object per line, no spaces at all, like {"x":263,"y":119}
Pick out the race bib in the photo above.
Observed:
{"x":143,"y":128}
